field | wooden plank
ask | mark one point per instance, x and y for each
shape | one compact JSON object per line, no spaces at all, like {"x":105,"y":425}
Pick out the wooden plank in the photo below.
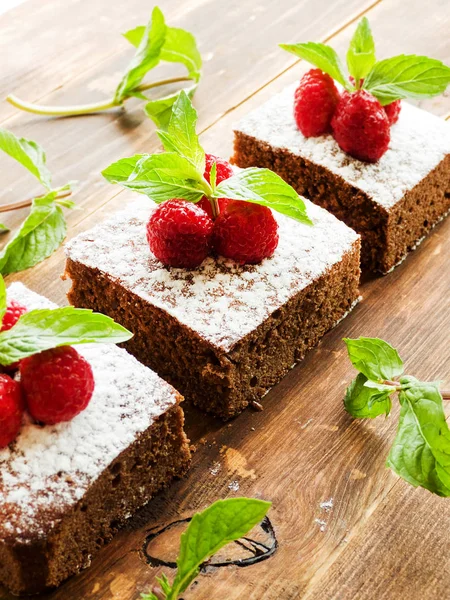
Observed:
{"x":302,"y":449}
{"x":421,"y":573}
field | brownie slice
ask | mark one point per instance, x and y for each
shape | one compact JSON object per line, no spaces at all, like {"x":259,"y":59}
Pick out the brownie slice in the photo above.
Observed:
{"x":222,"y":334}
{"x":65,"y":489}
{"x":392,"y":204}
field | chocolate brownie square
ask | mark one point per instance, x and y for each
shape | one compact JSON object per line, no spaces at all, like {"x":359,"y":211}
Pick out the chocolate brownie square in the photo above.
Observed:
{"x":65,"y":489}
{"x":392,"y":204}
{"x":223,"y":334}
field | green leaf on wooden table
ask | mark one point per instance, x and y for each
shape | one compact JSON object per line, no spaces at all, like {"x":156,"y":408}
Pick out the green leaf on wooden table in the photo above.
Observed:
{"x":321,"y":56}
{"x":180,"y":135}
{"x":421,"y":450}
{"x":43,"y":329}
{"x":39,"y":236}
{"x":2,"y":298}
{"x":375,"y":358}
{"x":407,"y":76}
{"x":264,"y":187}
{"x":361,"y":52}
{"x":160,"y":111}
{"x":135,"y":35}
{"x":363,"y":402}
{"x":122,"y":169}
{"x":3,"y":229}
{"x":163,"y":177}
{"x":147,"y":56}
{"x":28,"y":153}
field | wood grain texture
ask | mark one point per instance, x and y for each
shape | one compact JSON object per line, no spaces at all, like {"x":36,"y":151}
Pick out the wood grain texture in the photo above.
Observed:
{"x":303,"y":449}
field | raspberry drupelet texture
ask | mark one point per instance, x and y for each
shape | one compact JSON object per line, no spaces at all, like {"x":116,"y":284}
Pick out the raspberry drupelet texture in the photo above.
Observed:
{"x":179,"y":233}
{"x":361,"y":126}
{"x":58,"y":384}
{"x":223,"y":171}
{"x":245,"y":232}
{"x":315,"y":101}
{"x":11,"y":409}
{"x":393,"y":111}
{"x":14,"y":311}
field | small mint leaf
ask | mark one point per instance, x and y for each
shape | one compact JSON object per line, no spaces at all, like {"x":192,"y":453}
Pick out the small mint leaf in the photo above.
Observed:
{"x":362,"y":402}
{"x":180,"y":46}
{"x":3,"y":229}
{"x":213,"y":176}
{"x":28,"y":153}
{"x":407,"y":76}
{"x":134,"y":36}
{"x":361,"y":52}
{"x":375,"y":358}
{"x":147,"y":56}
{"x":122,"y":169}
{"x":160,"y":111}
{"x":43,"y":329}
{"x":264,"y":187}
{"x":321,"y":56}
{"x":420,"y":453}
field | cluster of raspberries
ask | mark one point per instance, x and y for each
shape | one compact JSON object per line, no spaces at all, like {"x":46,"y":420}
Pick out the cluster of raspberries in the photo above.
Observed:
{"x":54,"y":385}
{"x":183,"y":234}
{"x":357,"y":121}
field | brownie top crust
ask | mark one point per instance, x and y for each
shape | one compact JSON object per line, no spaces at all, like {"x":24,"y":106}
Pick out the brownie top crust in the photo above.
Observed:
{"x":47,"y":469}
{"x":220,"y":301}
{"x":419,"y":141}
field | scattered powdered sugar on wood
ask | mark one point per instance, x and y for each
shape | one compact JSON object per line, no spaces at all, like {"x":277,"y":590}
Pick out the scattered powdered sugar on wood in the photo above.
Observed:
{"x":327,"y":505}
{"x":49,"y":468}
{"x":220,"y":300}
{"x":322,"y":524}
{"x":419,"y":141}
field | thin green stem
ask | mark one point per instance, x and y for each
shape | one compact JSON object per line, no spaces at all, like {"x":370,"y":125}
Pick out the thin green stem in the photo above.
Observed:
{"x":444,"y":393}
{"x":84,"y":109}
{"x":24,"y":203}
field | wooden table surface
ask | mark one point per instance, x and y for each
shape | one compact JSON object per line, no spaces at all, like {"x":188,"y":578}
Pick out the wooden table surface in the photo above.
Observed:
{"x":381,"y":539}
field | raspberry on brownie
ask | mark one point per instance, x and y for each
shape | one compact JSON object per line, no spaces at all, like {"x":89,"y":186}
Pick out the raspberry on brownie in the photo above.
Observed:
{"x":66,"y":488}
{"x":392,"y":204}
{"x":223,"y":333}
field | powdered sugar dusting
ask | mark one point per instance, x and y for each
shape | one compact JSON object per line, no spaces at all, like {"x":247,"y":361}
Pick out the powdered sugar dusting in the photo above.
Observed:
{"x":48,"y":469}
{"x":220,"y":300}
{"x":419,"y":141}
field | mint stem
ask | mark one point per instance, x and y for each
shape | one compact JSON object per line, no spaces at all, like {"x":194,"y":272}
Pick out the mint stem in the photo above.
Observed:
{"x":444,"y":393}
{"x":25,"y":203}
{"x":83,"y":109}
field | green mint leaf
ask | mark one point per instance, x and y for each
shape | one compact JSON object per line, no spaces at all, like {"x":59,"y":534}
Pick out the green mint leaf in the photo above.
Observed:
{"x":213,"y":176}
{"x":265,"y":187}
{"x":321,"y":56}
{"x":180,"y":135}
{"x":163,"y":177}
{"x":28,"y":153}
{"x":39,"y":236}
{"x":363,"y":402}
{"x":373,"y":357}
{"x":2,"y":298}
{"x":3,"y":229}
{"x":122,"y":169}
{"x":44,"y":329}
{"x":146,"y":58}
{"x":421,"y":450}
{"x":361,"y":52}
{"x":407,"y":76}
{"x":179,"y":47}
{"x":221,"y":523}
{"x":160,"y":111}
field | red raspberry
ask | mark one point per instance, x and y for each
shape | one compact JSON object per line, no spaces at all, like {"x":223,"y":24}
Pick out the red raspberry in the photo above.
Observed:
{"x":360,"y":126}
{"x":393,"y":111}
{"x":245,"y":232}
{"x":315,"y":101}
{"x":13,"y":313}
{"x":58,"y":384}
{"x":11,"y":409}
{"x":223,"y":171}
{"x":179,"y":233}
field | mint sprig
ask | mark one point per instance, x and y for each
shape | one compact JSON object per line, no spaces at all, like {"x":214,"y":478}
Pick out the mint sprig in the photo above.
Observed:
{"x":223,"y":522}
{"x":44,"y":329}
{"x":154,"y":43}
{"x":45,"y":227}
{"x":179,"y":172}
{"x":399,"y":77}
{"x":420,"y":453}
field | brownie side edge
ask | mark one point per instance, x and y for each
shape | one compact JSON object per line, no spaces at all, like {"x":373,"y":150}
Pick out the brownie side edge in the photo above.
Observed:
{"x":158,"y":455}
